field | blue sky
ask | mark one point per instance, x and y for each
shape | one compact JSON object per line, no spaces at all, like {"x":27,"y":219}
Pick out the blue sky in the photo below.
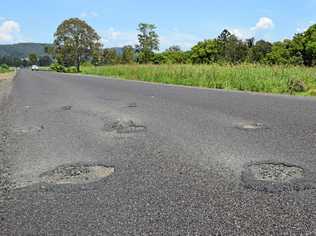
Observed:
{"x":179,"y":22}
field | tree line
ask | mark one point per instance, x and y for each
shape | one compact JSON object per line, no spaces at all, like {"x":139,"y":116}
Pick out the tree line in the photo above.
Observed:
{"x":76,"y":42}
{"x":32,"y":59}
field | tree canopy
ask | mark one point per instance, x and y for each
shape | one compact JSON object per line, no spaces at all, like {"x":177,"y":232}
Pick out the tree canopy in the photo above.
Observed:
{"x":74,"y":42}
{"x":148,"y":42}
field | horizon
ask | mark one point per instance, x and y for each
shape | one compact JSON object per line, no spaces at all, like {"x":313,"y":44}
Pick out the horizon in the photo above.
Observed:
{"x":180,"y":24}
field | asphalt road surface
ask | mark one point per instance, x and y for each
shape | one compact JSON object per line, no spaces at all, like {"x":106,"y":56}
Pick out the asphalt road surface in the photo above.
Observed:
{"x":180,"y":161}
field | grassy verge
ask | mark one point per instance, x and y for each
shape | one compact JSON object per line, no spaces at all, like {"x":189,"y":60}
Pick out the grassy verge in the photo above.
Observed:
{"x":4,"y":70}
{"x":256,"y":78}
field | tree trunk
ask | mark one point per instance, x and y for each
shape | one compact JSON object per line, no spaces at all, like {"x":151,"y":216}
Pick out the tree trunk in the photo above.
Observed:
{"x":78,"y":64}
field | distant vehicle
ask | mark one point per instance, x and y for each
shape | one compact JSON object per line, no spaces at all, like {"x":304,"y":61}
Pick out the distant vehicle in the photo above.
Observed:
{"x":35,"y":68}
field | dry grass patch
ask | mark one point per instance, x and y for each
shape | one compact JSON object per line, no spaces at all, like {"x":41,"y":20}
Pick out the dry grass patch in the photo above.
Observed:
{"x":6,"y":76}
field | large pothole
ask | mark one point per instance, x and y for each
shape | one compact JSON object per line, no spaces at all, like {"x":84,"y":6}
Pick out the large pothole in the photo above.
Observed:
{"x":276,"y":177}
{"x":77,"y":174}
{"x":276,"y":172}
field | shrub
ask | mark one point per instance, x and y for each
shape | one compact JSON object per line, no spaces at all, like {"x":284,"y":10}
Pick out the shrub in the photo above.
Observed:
{"x":296,"y":86}
{"x":57,"y":67}
{"x":71,"y":69}
{"x":4,"y":67}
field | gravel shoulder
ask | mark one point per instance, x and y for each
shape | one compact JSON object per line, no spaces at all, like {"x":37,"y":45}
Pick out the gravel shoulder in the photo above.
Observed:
{"x":6,"y":83}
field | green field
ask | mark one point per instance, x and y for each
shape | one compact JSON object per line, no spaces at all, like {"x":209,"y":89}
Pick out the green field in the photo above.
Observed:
{"x":256,"y":78}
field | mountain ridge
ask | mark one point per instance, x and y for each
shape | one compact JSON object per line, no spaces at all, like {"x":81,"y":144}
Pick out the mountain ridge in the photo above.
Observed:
{"x":23,"y":50}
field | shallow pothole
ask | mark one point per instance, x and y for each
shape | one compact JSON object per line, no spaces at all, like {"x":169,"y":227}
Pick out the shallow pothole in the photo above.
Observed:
{"x":250,"y":126}
{"x":29,"y":130}
{"x":77,"y":174}
{"x":132,"y":105}
{"x":66,"y":108}
{"x":276,"y":172}
{"x":125,"y":127}
{"x":276,"y":177}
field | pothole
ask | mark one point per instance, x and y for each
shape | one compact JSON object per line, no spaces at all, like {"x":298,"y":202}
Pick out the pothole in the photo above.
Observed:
{"x":66,"y":108}
{"x":276,"y":172}
{"x":132,"y":105}
{"x":29,"y":130}
{"x":250,"y":126}
{"x":77,"y":174}
{"x":125,"y":127}
{"x":276,"y":177}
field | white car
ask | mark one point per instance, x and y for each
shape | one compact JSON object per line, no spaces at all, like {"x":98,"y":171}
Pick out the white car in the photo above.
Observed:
{"x":35,"y":68}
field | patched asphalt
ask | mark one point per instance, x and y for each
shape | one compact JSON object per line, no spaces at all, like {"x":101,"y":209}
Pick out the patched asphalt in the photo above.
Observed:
{"x":180,"y":159}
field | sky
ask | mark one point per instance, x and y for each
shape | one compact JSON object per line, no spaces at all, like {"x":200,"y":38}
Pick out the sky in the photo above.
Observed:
{"x":178,"y":22}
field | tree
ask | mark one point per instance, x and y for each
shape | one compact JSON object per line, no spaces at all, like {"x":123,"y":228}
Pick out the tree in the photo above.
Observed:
{"x":235,"y":50}
{"x":33,"y":59}
{"x":110,"y":56}
{"x":45,"y":61}
{"x":148,"y":42}
{"x":231,"y":49}
{"x":250,"y":42}
{"x":74,"y":42}
{"x":259,"y":50}
{"x":306,"y":43}
{"x":97,"y":57}
{"x":172,"y":57}
{"x":205,"y":52}
{"x":25,"y":62}
{"x":284,"y":53}
{"x":174,"y":48}
{"x":128,"y":55}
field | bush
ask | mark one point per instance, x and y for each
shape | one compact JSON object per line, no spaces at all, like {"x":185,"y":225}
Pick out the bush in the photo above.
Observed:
{"x":296,"y":86}
{"x":4,"y":67}
{"x":57,"y":67}
{"x":71,"y":69}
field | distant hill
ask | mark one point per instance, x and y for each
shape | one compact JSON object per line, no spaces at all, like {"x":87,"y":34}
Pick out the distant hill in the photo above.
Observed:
{"x":22,"y":50}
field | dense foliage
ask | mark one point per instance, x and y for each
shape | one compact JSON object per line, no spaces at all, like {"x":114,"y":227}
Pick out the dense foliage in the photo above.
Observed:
{"x":225,"y":49}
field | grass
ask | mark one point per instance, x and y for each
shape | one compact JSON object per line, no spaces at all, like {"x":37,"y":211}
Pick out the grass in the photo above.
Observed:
{"x":256,"y":78}
{"x":4,"y":70}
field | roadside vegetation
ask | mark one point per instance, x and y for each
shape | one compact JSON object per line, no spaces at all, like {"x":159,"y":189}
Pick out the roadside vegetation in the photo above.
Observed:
{"x":224,"y":62}
{"x":4,"y":68}
{"x":293,"y":80}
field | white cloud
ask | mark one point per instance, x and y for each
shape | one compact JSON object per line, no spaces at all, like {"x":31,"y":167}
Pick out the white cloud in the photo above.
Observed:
{"x":242,"y":33}
{"x":115,"y":38}
{"x":263,"y":23}
{"x":8,"y":31}
{"x":89,"y":14}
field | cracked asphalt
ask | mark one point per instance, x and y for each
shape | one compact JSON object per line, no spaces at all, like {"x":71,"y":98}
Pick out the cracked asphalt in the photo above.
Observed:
{"x":177,"y":165}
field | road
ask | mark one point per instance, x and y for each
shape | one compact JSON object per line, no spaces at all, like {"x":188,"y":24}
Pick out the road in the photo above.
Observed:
{"x":180,"y":158}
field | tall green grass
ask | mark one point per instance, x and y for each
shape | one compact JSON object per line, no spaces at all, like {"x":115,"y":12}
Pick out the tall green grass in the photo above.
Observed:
{"x":256,"y":78}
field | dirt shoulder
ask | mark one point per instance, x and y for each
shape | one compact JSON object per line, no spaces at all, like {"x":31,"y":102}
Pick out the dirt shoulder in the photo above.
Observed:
{"x":6,"y":80}
{"x":5,"y":84}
